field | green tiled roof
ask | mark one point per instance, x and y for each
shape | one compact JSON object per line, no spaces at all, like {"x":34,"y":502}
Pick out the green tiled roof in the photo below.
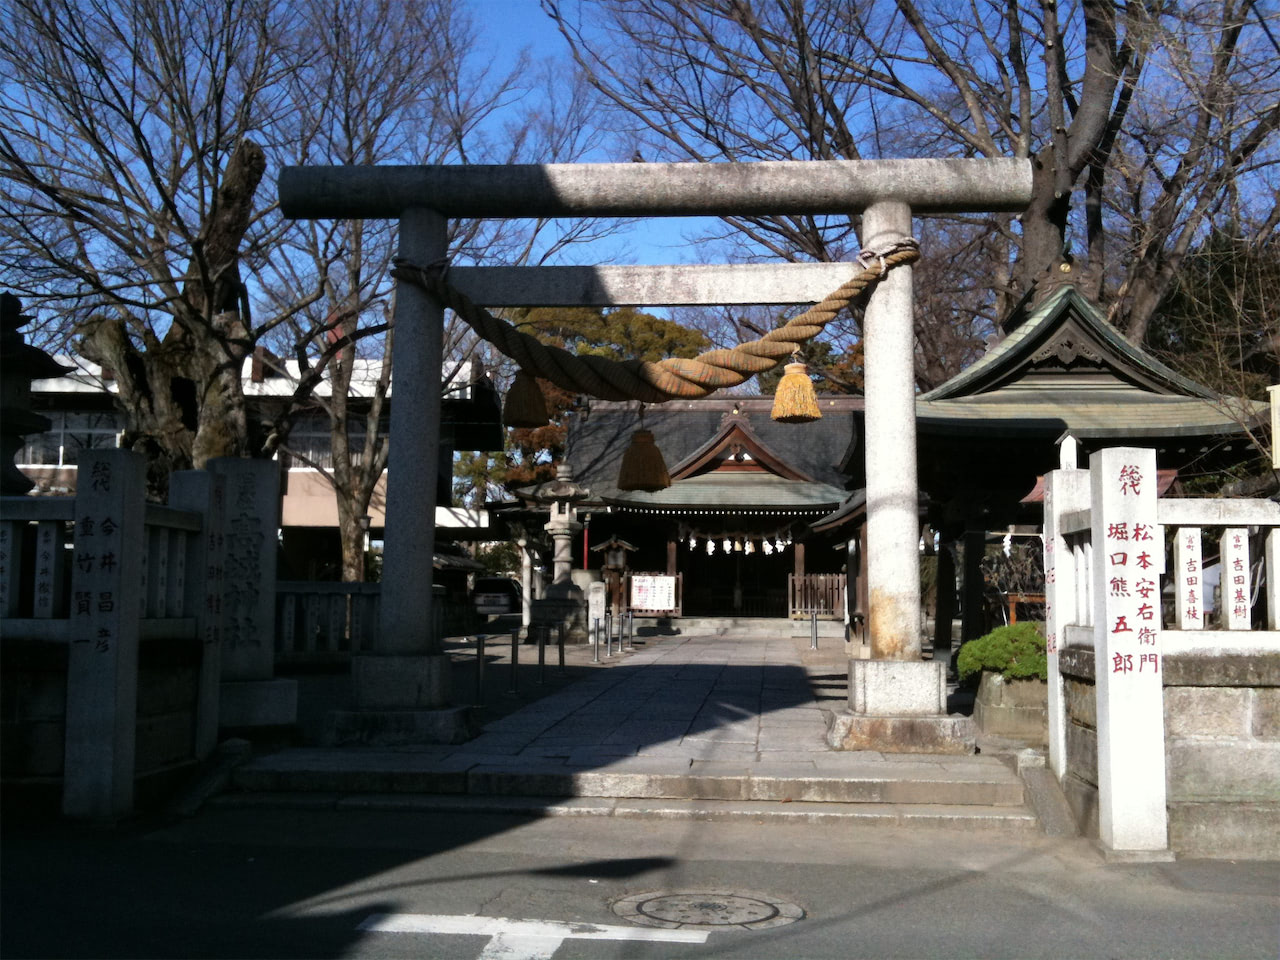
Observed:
{"x":1010,"y":357}
{"x":1103,"y":413}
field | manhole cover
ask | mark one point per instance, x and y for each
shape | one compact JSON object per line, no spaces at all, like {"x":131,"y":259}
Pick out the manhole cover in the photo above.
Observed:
{"x":707,"y":910}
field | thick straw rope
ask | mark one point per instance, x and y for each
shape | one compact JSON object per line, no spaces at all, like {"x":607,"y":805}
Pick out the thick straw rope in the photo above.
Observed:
{"x":668,"y":379}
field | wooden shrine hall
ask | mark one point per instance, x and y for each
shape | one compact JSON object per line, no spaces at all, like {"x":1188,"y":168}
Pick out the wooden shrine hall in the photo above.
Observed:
{"x":733,"y":527}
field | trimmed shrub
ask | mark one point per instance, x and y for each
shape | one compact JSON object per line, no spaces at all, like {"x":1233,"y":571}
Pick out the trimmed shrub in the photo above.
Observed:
{"x":1014,"y":651}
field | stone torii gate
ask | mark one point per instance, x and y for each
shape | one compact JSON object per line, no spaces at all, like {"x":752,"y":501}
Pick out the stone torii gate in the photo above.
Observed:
{"x":401,"y":689}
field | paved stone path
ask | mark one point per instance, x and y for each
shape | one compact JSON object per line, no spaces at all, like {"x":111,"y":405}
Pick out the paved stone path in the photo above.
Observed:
{"x":686,"y":698}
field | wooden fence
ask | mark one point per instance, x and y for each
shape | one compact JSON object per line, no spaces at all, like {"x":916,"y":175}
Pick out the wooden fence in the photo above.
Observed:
{"x":820,"y":593}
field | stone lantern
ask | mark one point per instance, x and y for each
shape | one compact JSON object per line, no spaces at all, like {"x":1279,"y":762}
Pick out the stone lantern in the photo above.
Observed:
{"x":563,"y":601}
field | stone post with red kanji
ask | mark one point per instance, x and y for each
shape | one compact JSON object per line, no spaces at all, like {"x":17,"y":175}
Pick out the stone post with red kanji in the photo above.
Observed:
{"x":1128,"y":561}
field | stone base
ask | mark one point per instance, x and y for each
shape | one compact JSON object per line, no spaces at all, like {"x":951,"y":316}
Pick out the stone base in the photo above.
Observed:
{"x":899,"y":734}
{"x":570,"y":611}
{"x":1135,"y":856}
{"x":898,"y":688}
{"x":392,"y":682}
{"x":1235,"y":831}
{"x":1012,"y":708}
{"x":388,"y":728}
{"x":257,"y":703}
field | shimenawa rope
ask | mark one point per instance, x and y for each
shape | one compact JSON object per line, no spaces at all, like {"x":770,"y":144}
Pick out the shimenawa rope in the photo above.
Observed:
{"x":669,"y":379}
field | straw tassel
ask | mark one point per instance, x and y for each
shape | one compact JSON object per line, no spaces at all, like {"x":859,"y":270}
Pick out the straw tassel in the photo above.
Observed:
{"x":525,"y":406}
{"x":795,"y":400}
{"x":642,"y":465}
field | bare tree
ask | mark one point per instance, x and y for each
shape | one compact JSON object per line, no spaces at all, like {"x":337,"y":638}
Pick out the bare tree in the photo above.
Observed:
{"x":1143,"y":121}
{"x":133,"y":143}
{"x":129,"y":174}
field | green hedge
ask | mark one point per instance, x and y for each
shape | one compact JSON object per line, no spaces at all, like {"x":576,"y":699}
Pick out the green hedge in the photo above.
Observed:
{"x":1015,"y":651}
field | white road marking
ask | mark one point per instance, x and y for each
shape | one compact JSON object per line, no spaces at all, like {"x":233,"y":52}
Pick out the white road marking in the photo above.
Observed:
{"x":521,"y":939}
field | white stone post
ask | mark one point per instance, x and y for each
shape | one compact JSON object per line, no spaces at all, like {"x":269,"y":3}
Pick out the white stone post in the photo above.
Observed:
{"x":893,"y":519}
{"x":1188,"y":568}
{"x":1234,"y":587}
{"x":204,"y":492}
{"x":1065,"y":490}
{"x":102,"y":664}
{"x":1128,"y":561}
{"x":526,"y":584}
{"x":251,"y":695}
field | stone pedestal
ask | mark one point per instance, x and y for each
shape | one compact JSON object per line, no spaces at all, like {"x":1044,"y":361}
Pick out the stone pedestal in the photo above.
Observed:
{"x":390,"y":728}
{"x":899,"y":706}
{"x":257,"y":703}
{"x":400,"y":700}
{"x":564,"y":604}
{"x":405,"y":682}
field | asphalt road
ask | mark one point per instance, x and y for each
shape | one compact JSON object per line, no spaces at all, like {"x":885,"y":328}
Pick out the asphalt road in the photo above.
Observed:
{"x":285,"y":883}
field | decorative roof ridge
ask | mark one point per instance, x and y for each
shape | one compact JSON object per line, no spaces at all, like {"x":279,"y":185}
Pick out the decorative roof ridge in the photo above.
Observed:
{"x":735,"y":427}
{"x":1041,"y":324}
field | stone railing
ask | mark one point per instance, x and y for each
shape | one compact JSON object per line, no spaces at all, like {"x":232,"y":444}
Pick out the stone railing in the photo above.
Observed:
{"x":110,"y":631}
{"x":326,"y":624}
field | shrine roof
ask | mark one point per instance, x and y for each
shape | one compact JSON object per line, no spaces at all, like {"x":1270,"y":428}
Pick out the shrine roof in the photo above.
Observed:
{"x":1057,"y":339}
{"x":686,"y":432}
{"x":1064,"y":368}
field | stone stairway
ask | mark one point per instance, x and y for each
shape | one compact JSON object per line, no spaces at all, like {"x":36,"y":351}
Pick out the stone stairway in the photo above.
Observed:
{"x":739,"y":626}
{"x":970,"y":792}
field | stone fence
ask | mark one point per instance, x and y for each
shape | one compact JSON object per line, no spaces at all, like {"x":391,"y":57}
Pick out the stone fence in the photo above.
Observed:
{"x":326,"y":624}
{"x":133,"y":631}
{"x":1164,"y":738}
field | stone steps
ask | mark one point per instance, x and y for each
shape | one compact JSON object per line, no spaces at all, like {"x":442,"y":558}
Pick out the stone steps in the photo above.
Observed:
{"x":1006,"y":819}
{"x":978,"y":791}
{"x":738,"y":626}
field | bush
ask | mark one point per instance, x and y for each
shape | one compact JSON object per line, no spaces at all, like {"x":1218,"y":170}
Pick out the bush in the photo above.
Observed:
{"x":1015,"y":651}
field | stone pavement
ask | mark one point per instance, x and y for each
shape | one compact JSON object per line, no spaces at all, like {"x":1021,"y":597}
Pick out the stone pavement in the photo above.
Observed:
{"x":695,"y":699}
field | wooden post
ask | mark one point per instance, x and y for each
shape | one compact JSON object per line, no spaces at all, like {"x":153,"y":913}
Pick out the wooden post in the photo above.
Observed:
{"x":671,"y":558}
{"x":973,"y":618}
{"x":944,"y":610}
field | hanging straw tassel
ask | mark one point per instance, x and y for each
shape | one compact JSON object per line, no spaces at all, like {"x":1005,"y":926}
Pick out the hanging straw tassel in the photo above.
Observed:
{"x":795,"y":400}
{"x":525,"y":406}
{"x":642,"y":465}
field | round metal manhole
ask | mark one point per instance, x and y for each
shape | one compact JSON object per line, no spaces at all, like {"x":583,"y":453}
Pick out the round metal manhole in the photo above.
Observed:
{"x":707,"y":910}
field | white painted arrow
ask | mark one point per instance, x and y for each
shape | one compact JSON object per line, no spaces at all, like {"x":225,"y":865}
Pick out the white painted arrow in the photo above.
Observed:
{"x":521,"y":939}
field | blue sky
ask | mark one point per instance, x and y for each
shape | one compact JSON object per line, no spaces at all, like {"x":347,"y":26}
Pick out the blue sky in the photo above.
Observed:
{"x":506,"y":27}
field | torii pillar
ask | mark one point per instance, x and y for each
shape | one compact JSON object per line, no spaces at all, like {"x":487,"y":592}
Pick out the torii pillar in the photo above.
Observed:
{"x":897,"y":701}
